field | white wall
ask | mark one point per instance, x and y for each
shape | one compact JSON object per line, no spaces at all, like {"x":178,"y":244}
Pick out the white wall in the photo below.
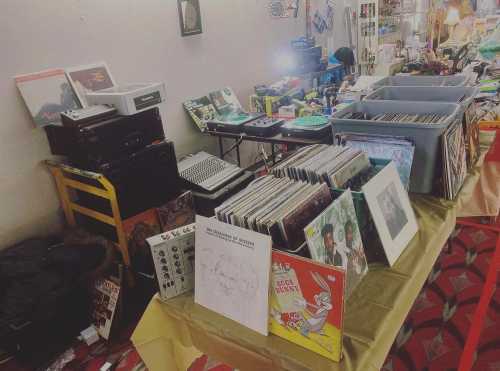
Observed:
{"x":140,"y":40}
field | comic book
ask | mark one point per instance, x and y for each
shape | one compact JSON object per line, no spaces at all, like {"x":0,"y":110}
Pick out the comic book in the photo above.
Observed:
{"x":307,"y":301}
{"x":334,"y":238}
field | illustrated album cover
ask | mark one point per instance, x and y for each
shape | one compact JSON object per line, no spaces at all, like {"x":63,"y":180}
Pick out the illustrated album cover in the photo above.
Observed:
{"x":105,"y":300}
{"x":454,"y":160}
{"x":177,"y":212}
{"x":89,"y":78}
{"x":201,"y":110}
{"x":391,"y":211}
{"x":333,"y":238}
{"x":46,"y":95}
{"x":307,"y":303}
{"x":396,"y":149}
{"x":137,"y":229}
{"x":232,"y":271}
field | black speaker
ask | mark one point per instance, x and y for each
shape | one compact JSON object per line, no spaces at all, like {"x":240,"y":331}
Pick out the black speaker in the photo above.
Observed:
{"x":89,"y":146}
{"x":142,"y":180}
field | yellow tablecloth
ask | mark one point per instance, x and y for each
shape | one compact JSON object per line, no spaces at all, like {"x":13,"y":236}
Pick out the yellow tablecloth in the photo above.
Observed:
{"x":171,"y":334}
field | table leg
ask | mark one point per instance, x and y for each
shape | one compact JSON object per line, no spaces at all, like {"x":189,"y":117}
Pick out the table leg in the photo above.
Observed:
{"x":221,"y":149}
{"x":238,"y":153}
{"x":272,"y":154}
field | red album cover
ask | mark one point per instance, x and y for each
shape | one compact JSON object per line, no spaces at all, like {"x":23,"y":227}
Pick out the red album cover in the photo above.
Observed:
{"x":307,"y":301}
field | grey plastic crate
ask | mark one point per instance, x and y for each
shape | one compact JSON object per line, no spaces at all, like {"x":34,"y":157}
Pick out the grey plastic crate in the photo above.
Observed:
{"x":425,"y":136}
{"x":455,"y":80}
{"x":445,"y":94}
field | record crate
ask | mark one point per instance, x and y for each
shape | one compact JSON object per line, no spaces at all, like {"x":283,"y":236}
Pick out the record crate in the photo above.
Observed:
{"x":427,"y":137}
{"x":367,"y":228}
{"x":462,"y":95}
{"x":455,"y":80}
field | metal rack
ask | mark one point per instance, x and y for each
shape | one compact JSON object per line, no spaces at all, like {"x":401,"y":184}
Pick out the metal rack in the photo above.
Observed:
{"x":68,"y":178}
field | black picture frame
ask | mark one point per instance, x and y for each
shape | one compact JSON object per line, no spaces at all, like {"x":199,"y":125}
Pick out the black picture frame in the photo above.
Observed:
{"x":189,"y":17}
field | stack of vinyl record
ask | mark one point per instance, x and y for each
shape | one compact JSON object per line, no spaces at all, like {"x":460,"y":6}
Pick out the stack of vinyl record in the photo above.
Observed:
{"x":398,"y":117}
{"x":334,"y":165}
{"x":279,"y":207}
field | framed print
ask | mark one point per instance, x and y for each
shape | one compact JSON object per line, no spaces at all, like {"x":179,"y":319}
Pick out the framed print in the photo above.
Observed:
{"x":189,"y":17}
{"x":391,"y":211}
{"x":89,"y":78}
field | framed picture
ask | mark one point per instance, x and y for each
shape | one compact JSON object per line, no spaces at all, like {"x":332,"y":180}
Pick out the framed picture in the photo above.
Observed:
{"x":189,"y":17}
{"x":391,"y":211}
{"x":89,"y":78}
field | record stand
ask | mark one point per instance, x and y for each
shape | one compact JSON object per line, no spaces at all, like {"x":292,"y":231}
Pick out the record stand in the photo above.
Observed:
{"x":70,"y":178}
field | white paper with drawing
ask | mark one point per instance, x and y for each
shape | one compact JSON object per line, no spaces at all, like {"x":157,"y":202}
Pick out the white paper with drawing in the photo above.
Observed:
{"x":232,"y":270}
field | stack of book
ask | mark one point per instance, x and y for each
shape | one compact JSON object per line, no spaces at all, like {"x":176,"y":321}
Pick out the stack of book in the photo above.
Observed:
{"x":321,"y":163}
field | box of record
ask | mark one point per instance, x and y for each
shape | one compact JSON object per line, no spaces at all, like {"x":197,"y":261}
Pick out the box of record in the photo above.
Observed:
{"x":423,"y":122}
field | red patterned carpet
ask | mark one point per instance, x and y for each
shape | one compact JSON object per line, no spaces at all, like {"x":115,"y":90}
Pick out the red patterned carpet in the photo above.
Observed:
{"x":437,"y":329}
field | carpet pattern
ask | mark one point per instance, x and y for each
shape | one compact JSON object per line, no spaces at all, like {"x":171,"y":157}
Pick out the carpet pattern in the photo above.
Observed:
{"x":435,"y":331}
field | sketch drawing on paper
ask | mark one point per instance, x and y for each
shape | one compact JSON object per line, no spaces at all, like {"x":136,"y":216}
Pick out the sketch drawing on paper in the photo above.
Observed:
{"x":232,"y":269}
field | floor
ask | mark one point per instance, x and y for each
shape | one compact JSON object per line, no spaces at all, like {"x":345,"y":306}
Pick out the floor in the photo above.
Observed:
{"x":458,"y":309}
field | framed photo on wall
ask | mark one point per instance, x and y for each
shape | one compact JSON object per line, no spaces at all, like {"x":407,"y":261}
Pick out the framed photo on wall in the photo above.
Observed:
{"x":189,"y":17}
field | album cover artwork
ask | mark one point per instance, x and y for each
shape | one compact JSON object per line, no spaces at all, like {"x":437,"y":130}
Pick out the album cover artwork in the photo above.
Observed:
{"x":177,"y":212}
{"x":401,"y":155}
{"x":306,"y":303}
{"x":334,"y":238}
{"x":454,"y":160}
{"x":137,"y":229}
{"x":201,"y":110}
{"x":471,"y":130}
{"x":105,"y":299}
{"x":89,"y":78}
{"x":295,"y":221}
{"x":46,"y":95}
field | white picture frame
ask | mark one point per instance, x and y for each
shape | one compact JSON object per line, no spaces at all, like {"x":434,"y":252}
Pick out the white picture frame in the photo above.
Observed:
{"x":391,"y":211}
{"x":90,"y":77}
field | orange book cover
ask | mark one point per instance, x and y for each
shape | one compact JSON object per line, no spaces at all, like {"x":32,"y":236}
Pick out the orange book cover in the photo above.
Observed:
{"x":307,"y":301}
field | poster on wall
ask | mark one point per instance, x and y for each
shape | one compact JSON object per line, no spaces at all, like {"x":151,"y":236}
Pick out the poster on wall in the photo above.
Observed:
{"x":89,"y":78}
{"x":189,"y":17}
{"x":46,"y":95}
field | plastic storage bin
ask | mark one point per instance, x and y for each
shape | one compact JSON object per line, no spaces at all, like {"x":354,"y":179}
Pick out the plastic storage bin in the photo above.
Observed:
{"x":456,"y":80}
{"x":444,"y":94}
{"x":425,"y":136}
